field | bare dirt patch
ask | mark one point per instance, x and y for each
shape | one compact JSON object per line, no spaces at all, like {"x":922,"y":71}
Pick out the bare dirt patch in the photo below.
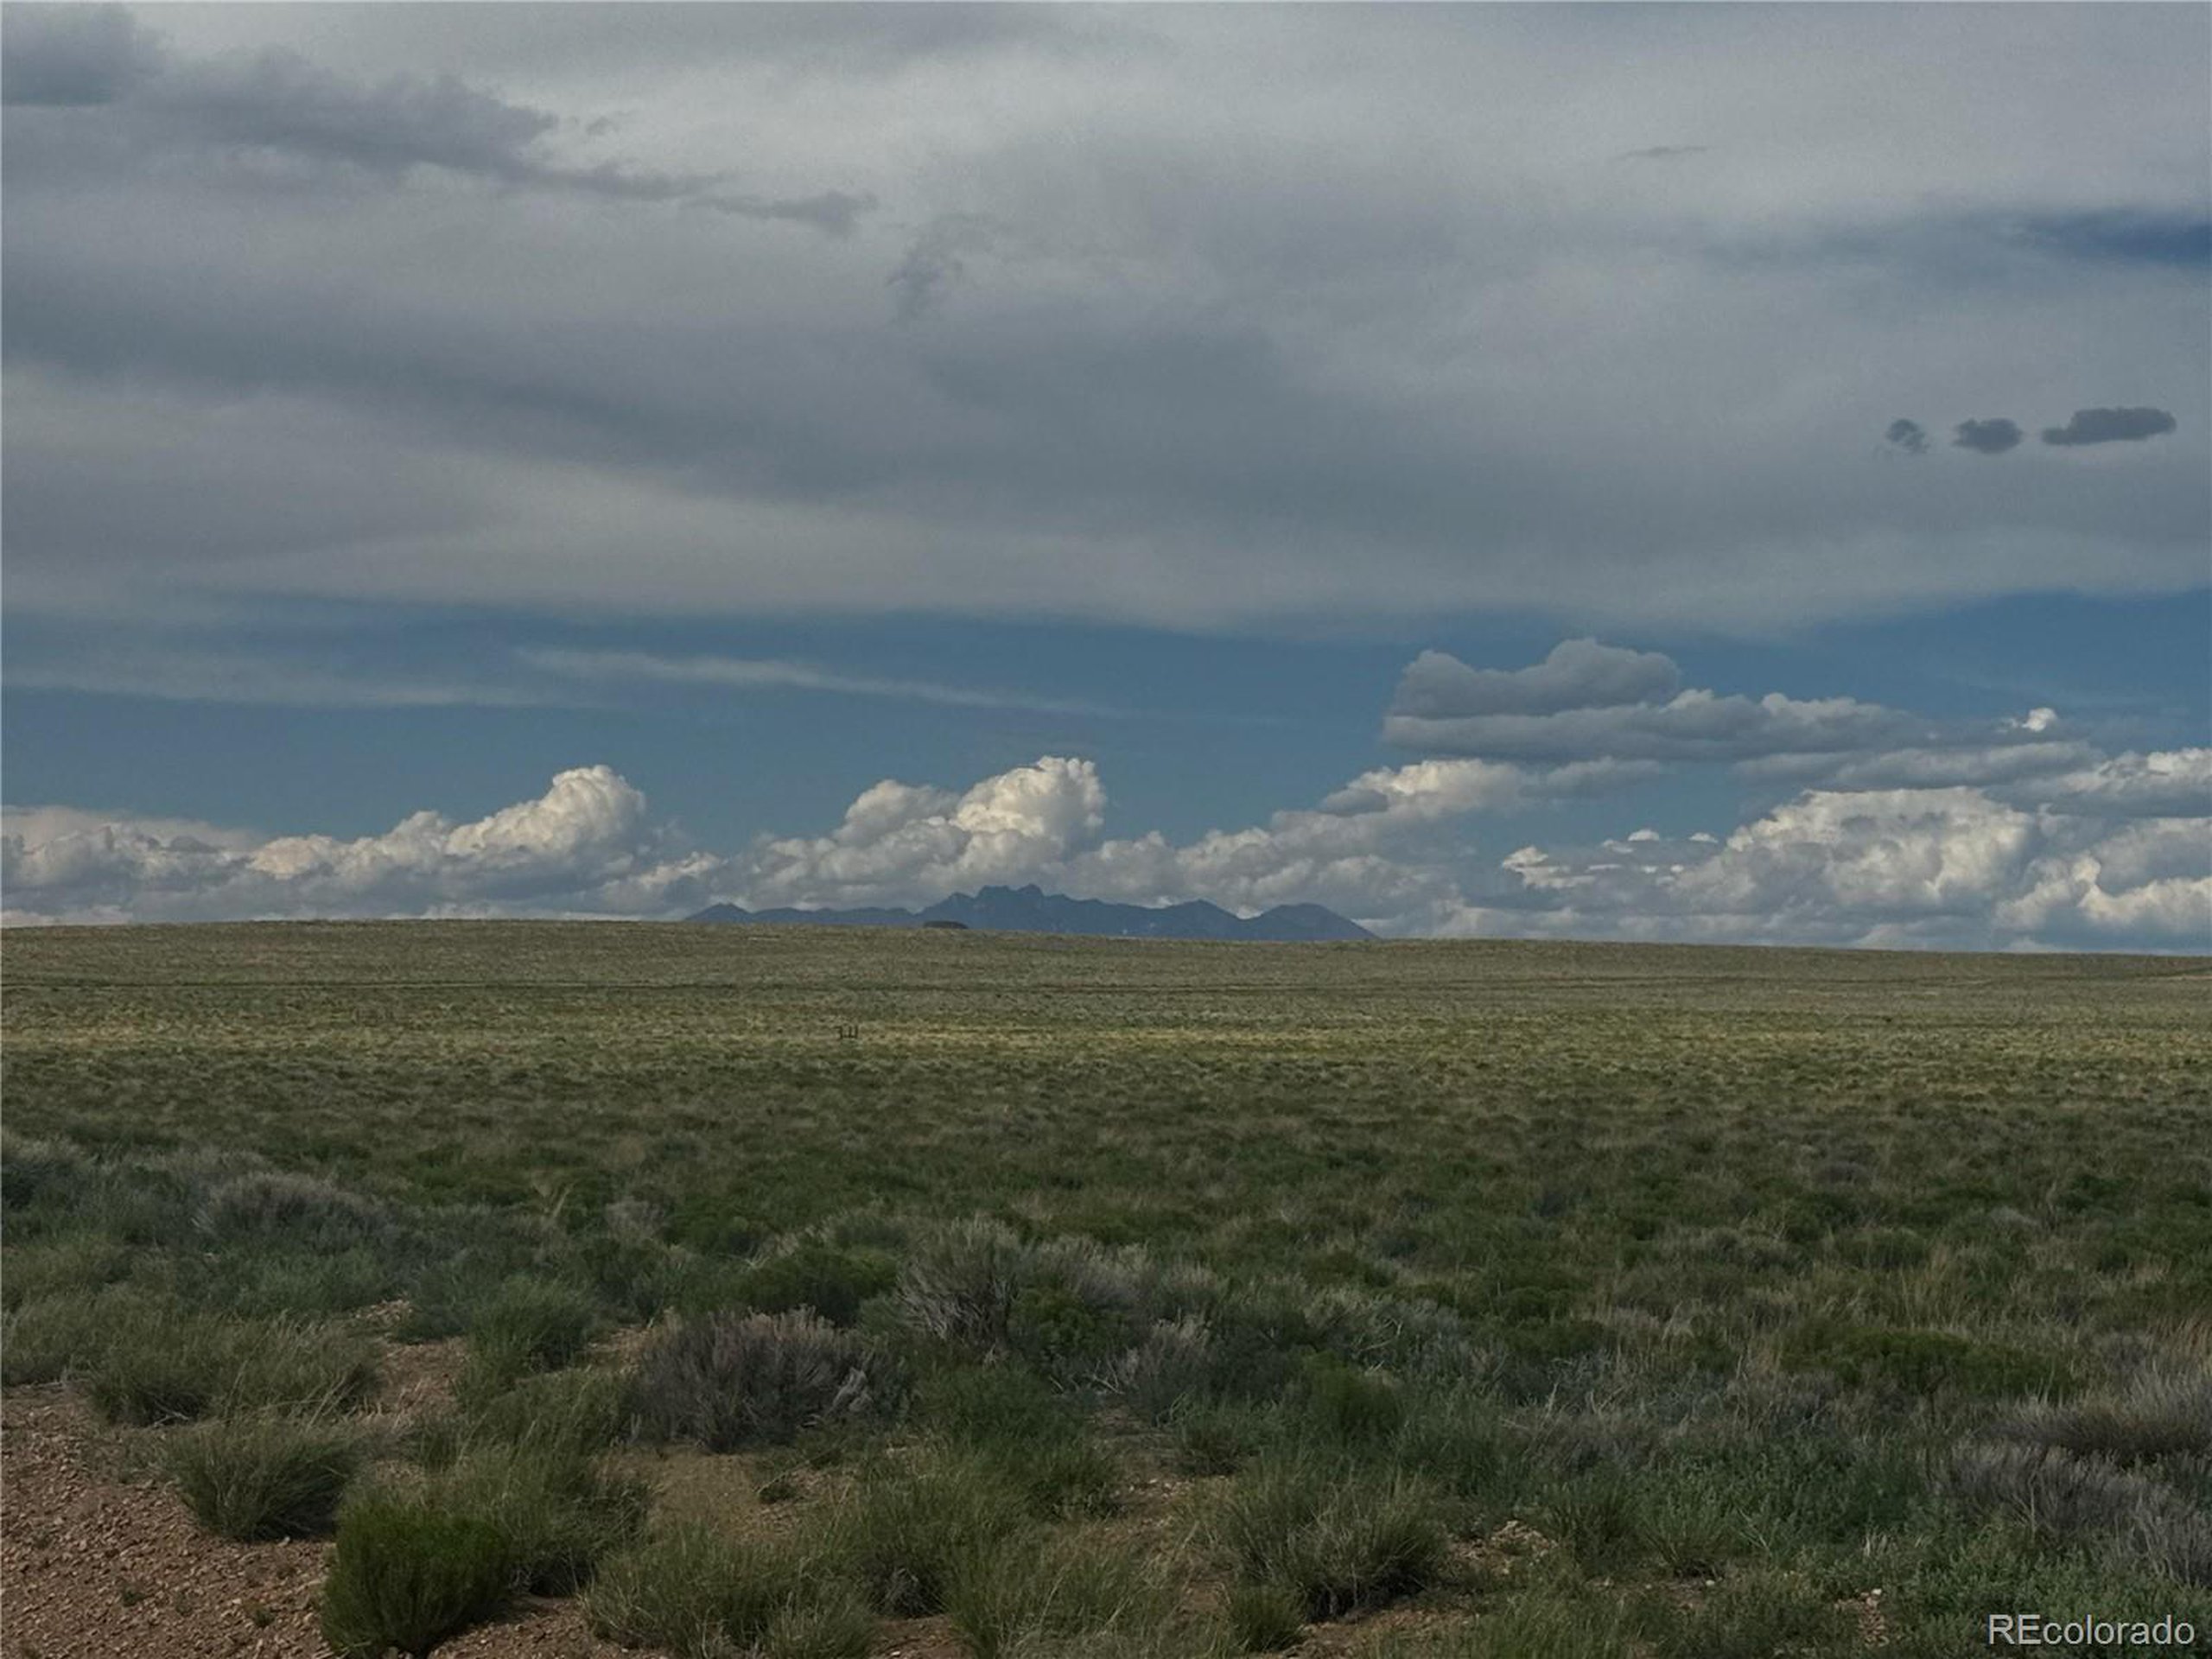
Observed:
{"x":94,"y":1563}
{"x":92,"y":1566}
{"x":416,"y":1379}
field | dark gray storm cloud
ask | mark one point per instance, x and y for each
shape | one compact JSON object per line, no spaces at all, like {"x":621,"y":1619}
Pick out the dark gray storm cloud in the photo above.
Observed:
{"x":1577,"y":674}
{"x":834,"y":211}
{"x":277,"y":104}
{"x":1131,"y":314}
{"x":2126,"y":236}
{"x":1988,"y":437}
{"x":2110,"y":426}
{"x":66,"y":56}
{"x":1907,"y":436}
{"x":938,"y":260}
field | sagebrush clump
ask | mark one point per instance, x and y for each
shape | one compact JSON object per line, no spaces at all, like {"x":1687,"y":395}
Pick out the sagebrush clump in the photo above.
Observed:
{"x":731,"y":1380}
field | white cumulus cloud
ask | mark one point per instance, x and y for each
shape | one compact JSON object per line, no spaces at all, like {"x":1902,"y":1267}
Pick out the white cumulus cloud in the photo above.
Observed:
{"x":1940,"y":867}
{"x":586,"y":844}
{"x":898,"y":841}
{"x":1969,"y":839}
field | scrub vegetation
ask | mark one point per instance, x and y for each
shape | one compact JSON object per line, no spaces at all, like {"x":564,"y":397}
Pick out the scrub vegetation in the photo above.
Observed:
{"x":1057,"y":1297}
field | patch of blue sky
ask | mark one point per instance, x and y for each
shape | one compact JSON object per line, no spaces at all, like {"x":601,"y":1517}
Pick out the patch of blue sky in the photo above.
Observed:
{"x":1204,"y":732}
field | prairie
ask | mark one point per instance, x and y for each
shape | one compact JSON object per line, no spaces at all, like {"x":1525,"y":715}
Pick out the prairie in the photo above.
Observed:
{"x":822,"y":1291}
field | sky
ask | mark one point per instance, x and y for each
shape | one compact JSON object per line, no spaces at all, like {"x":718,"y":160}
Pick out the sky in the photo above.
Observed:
{"x":1614,"y":472}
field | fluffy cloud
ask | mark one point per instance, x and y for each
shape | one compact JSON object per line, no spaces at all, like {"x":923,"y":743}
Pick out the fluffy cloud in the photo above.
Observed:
{"x":1589,"y":703}
{"x":1578,"y":674}
{"x":590,"y":845}
{"x":1375,"y":850}
{"x":2173,"y":784}
{"x":1989,"y":437}
{"x":1394,"y":849}
{"x":1903,"y":868}
{"x":587,"y":844}
{"x":2110,"y":426}
{"x":898,"y":841}
{"x":1692,"y":725}
{"x":1907,"y":436}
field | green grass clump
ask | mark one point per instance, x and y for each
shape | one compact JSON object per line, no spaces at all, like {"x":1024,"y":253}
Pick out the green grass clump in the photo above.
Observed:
{"x":1601,"y":1518}
{"x":63,"y":1267}
{"x":408,"y":1574}
{"x":1339,"y":1539}
{"x":2158,"y":1417}
{"x":578,"y":1411}
{"x":1068,"y":1336}
{"x":908,"y":1532}
{"x":1550,"y":1618}
{"x":1030,"y":1436}
{"x":2070,"y":1500}
{"x":299,"y":1284}
{"x":161,"y":1367}
{"x":1922,"y":1362}
{"x":272,"y":1210}
{"x":156,"y":1363}
{"x":560,"y":1514}
{"x":730,"y":1380}
{"x":33,"y":1169}
{"x":263,"y":1476}
{"x":43,"y":1339}
{"x":1456,"y":1439}
{"x":1073,"y":1588}
{"x":1264,"y":1616}
{"x":1070,"y":1479}
{"x":988,"y":1406}
{"x":701,"y":1593}
{"x":1756,"y":1616}
{"x":529,"y":1325}
{"x":834,"y":1624}
{"x":1348,"y":1405}
{"x":1687,"y":1529}
{"x":1216,"y":1439}
{"x":829,"y":1281}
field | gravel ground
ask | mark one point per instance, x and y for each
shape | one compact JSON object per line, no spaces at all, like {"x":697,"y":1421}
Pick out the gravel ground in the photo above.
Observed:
{"x":94,"y":1565}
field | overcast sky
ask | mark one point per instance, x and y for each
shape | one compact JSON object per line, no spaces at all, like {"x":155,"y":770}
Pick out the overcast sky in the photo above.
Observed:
{"x":1649,"y":472}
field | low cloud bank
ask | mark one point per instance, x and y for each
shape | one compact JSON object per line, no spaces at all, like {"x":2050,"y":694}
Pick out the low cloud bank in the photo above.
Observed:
{"x":1890,"y":828}
{"x":1952,"y":866}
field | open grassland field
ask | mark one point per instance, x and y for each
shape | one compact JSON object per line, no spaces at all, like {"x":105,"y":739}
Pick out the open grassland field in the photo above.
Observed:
{"x":533,"y":1287}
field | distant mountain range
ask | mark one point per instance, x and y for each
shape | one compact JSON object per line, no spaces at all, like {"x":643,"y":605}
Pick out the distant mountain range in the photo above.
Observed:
{"x":1032,"y":910}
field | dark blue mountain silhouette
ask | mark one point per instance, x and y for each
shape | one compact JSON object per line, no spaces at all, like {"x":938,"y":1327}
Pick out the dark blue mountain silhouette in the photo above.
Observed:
{"x":1032,"y":910}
